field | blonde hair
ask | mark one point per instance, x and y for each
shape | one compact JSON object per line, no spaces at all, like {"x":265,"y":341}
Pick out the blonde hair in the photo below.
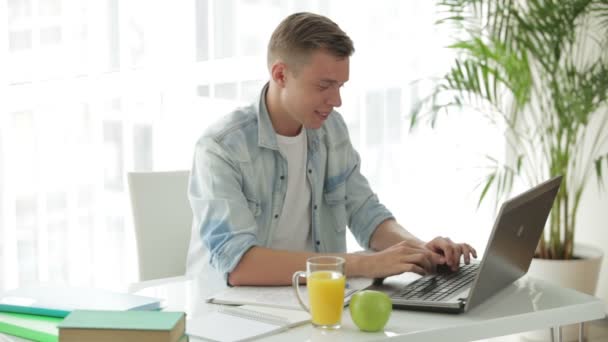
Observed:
{"x":300,"y":34}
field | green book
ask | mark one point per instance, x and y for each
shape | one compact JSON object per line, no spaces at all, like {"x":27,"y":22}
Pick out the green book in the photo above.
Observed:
{"x":33,"y":327}
{"x":118,"y":326}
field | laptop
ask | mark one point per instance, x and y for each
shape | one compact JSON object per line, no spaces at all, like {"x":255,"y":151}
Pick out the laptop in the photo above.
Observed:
{"x":509,"y":252}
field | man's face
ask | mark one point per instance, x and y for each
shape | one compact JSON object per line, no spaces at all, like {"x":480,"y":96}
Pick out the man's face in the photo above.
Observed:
{"x":313,"y":92}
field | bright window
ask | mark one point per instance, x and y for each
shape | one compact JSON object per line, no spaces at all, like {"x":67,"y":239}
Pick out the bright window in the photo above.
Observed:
{"x":94,"y":89}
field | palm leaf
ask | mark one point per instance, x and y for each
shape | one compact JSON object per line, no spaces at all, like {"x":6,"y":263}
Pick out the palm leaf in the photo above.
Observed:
{"x":528,"y":62}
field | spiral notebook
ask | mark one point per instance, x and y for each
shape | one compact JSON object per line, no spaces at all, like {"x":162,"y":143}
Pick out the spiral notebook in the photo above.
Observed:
{"x":243,"y":323}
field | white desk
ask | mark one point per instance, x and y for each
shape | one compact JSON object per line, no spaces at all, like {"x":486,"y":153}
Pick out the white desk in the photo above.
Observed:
{"x":526,"y":305}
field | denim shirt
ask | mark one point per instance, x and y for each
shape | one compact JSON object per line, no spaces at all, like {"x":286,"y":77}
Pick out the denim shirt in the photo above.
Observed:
{"x":239,"y":180}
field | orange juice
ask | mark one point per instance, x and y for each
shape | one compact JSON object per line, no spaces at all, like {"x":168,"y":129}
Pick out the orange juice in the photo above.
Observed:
{"x":326,"y":295}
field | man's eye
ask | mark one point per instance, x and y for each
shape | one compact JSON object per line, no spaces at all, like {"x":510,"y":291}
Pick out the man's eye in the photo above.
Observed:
{"x":321,"y":87}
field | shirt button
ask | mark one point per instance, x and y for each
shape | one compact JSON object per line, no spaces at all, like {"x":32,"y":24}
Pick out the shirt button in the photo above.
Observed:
{"x":315,"y":207}
{"x":276,"y":215}
{"x":309,"y":170}
{"x":282,"y":177}
{"x":318,"y":242}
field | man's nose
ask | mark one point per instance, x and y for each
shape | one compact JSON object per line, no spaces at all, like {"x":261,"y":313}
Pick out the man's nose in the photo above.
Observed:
{"x":334,"y":99}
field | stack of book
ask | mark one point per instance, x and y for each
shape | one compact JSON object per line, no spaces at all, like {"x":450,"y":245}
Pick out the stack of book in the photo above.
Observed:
{"x":123,"y":326}
{"x":32,"y":327}
{"x":34,"y":313}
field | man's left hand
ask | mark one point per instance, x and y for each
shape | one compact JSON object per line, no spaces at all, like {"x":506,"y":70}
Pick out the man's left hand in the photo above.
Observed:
{"x":451,"y":251}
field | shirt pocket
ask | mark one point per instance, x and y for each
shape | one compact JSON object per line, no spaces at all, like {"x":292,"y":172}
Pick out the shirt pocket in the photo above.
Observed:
{"x":336,"y":201}
{"x":254,"y":207}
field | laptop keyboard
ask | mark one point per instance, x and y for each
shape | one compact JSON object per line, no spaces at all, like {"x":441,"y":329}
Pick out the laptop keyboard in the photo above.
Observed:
{"x":437,"y":287}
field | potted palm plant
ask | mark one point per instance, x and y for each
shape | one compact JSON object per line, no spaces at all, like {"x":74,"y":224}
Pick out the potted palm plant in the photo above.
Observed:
{"x":539,"y":69}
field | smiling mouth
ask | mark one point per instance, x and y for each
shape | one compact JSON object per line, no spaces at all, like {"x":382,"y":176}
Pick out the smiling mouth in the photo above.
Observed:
{"x":324,"y":115}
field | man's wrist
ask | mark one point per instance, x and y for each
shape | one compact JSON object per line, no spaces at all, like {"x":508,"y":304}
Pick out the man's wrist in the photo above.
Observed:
{"x":356,"y":264}
{"x":418,"y":242}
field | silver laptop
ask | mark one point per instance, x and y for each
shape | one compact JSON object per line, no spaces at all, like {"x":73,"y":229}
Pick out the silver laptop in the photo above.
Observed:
{"x":508,"y":254}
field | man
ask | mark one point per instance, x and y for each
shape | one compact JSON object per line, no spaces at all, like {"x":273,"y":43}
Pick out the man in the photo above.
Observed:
{"x":277,"y":182}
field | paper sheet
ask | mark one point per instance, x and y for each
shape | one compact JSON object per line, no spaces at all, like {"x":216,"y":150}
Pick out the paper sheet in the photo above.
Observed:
{"x":277,"y":296}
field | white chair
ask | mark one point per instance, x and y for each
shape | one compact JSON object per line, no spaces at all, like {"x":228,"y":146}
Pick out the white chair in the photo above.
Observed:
{"x":162,"y":219}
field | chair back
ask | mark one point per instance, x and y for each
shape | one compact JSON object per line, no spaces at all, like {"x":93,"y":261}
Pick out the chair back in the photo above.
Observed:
{"x":162,"y":218}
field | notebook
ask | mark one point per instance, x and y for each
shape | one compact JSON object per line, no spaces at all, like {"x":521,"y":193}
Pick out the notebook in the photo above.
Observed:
{"x":242,"y":323}
{"x":32,"y":327}
{"x":122,"y":326}
{"x":510,"y":249}
{"x":277,"y":296}
{"x":60,"y":301}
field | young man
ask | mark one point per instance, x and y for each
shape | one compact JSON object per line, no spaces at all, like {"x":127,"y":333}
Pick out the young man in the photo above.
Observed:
{"x":278,"y":181}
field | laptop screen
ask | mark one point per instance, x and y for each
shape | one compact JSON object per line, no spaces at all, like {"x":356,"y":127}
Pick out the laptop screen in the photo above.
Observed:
{"x":510,"y":249}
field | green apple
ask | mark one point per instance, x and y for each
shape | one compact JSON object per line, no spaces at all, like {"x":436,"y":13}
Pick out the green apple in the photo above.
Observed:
{"x":370,"y":310}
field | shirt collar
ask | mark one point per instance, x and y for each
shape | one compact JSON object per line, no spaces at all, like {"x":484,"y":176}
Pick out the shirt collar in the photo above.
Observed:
{"x":266,"y":134}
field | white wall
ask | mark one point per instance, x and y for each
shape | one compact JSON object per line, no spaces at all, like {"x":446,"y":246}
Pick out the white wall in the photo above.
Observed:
{"x":592,"y":221}
{"x":592,"y":228}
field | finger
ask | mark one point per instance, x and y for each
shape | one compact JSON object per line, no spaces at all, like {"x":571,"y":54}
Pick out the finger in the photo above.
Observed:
{"x":414,"y":268}
{"x":433,"y":259}
{"x":437,"y":258}
{"x":431,"y":245}
{"x":473,"y":251}
{"x":410,"y":248}
{"x":457,"y":255}
{"x":434,"y":254}
{"x":427,"y":261}
{"x":411,"y":255}
{"x":435,"y":247}
{"x":466,"y":251}
{"x":465,"y":257}
{"x":431,"y":265}
{"x":448,"y":252}
{"x":419,"y":259}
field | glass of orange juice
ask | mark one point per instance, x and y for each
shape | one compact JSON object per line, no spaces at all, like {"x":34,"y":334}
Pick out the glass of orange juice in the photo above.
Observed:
{"x":325,"y":283}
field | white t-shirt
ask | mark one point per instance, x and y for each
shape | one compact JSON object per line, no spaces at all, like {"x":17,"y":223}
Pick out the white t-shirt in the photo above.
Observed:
{"x":293,"y":230}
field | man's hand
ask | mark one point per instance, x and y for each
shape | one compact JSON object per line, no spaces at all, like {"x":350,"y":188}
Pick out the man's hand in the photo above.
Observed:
{"x":399,"y":251}
{"x":405,"y":256}
{"x":451,"y":252}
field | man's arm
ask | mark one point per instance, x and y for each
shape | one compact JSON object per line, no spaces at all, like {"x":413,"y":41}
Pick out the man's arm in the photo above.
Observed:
{"x":396,"y":251}
{"x":390,"y":233}
{"x":266,"y":266}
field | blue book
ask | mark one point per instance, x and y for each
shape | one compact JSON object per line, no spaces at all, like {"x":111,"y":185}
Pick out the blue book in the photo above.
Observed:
{"x":60,"y":301}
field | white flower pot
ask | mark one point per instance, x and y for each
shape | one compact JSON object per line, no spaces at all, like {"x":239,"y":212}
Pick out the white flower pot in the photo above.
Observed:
{"x":580,"y":274}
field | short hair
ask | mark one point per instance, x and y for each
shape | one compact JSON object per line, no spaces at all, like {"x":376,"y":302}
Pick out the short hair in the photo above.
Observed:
{"x":300,"y":34}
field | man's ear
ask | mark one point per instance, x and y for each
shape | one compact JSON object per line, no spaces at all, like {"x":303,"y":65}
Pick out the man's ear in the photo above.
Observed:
{"x":278,"y":72}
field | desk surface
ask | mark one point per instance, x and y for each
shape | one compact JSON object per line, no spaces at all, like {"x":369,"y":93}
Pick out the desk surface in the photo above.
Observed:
{"x":528,"y":304}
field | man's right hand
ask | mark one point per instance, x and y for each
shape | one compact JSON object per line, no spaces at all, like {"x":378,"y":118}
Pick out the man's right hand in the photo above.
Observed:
{"x":405,"y":256}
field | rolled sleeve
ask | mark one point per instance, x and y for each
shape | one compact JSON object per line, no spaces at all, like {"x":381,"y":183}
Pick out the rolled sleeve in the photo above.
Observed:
{"x":226,"y":227}
{"x":364,"y":209}
{"x":368,"y":218}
